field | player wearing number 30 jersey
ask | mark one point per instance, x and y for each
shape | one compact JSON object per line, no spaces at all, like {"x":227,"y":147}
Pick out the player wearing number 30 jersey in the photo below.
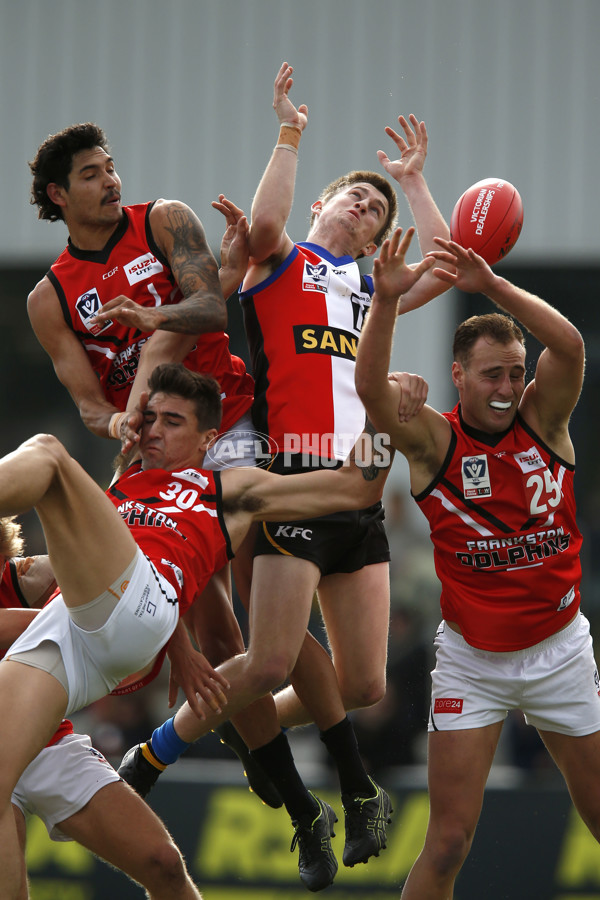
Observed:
{"x":503,"y":505}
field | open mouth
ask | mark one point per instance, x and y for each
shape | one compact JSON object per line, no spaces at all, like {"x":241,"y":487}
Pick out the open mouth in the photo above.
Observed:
{"x":497,"y":404}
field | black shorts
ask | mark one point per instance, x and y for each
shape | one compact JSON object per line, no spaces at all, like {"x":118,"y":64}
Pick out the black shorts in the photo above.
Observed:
{"x":339,"y":543}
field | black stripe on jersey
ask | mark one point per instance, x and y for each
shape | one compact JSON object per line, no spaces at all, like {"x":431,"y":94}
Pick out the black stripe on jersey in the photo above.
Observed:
{"x":14,"y":578}
{"x":117,"y":493}
{"x":219,"y":504}
{"x":154,"y":246}
{"x":259,"y":363}
{"x":173,"y":600}
{"x":475,"y":508}
{"x":443,"y":468}
{"x":101,"y":256}
{"x":364,"y":286}
{"x":81,"y":333}
{"x":554,"y":458}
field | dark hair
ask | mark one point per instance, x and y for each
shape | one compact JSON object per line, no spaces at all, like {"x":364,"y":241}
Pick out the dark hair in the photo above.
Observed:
{"x":203,"y":390}
{"x":54,"y":160}
{"x":379,"y":183}
{"x":494,"y":326}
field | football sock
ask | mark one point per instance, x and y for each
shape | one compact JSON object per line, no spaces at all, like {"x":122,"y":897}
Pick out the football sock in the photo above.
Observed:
{"x":276,"y":759}
{"x":165,"y":744}
{"x":342,"y":745}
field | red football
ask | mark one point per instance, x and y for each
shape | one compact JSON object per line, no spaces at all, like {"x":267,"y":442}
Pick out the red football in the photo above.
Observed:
{"x":488,"y":217}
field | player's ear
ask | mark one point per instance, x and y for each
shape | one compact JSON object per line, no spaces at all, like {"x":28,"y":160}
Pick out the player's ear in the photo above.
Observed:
{"x":316,"y":207}
{"x":207,"y":438}
{"x":457,"y":374}
{"x":56,"y":194}
{"x":369,"y":249}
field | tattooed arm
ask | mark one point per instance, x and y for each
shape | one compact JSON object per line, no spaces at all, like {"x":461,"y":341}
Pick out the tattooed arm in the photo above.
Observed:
{"x":180,"y":235}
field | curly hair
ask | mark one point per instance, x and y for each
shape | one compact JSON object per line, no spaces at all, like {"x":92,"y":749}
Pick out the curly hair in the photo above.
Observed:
{"x":379,"y":183}
{"x":54,"y":160}
{"x":495,"y":326}
{"x":11,"y":539}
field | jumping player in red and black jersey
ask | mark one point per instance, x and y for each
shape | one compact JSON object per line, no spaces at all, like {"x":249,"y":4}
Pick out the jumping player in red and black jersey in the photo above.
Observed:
{"x":494,"y":478}
{"x":151,"y":267}
{"x":120,"y":597}
{"x":150,"y":263}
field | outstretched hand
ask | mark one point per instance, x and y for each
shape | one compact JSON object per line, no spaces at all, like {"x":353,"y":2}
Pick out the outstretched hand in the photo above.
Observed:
{"x":412,"y":147}
{"x":192,"y":672}
{"x":392,"y":276}
{"x":472,"y":274}
{"x":234,"y":251}
{"x":130,"y":313}
{"x":283,"y":106}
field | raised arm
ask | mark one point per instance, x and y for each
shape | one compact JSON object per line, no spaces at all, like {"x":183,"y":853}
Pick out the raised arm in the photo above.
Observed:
{"x":423,"y":437}
{"x":69,"y":359}
{"x":392,"y":278}
{"x":253,"y":494}
{"x":551,"y":396}
{"x":407,"y":170}
{"x":274,"y":196}
{"x":234,"y":251}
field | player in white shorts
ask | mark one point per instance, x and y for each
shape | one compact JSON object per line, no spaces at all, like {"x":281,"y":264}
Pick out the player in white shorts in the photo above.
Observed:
{"x":79,"y":797}
{"x":103,"y":641}
{"x":187,"y":521}
{"x":472,"y":688}
{"x":494,"y":478}
{"x":70,"y":785}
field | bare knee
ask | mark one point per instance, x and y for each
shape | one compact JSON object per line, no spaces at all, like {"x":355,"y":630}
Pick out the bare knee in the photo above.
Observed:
{"x":448,"y":852}
{"x":47,"y":445}
{"x":361,"y":694}
{"x":164,"y":871}
{"x":264,"y":675}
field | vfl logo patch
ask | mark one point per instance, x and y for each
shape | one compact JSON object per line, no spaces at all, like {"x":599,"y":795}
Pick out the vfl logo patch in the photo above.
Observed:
{"x":88,"y":305}
{"x":448,"y":705}
{"x":315,"y":278}
{"x":476,"y":477}
{"x":141,"y":268}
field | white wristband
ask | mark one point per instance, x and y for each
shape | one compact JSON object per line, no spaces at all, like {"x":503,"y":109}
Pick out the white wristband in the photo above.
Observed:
{"x":114,"y":426}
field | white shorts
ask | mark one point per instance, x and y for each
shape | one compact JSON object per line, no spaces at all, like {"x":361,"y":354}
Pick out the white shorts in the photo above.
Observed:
{"x":61,"y":780}
{"x":235,"y":447}
{"x":555,"y":683}
{"x":96,"y":661}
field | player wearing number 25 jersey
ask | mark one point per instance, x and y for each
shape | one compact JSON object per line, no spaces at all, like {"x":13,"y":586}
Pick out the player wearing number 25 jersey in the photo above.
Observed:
{"x":132,"y":264}
{"x":503,"y":505}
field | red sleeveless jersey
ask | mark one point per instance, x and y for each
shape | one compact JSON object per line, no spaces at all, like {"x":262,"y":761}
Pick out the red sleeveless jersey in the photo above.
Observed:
{"x":302,"y":325}
{"x":506,"y":542}
{"x":176,"y":518}
{"x":132,"y":264}
{"x":10,"y":592}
